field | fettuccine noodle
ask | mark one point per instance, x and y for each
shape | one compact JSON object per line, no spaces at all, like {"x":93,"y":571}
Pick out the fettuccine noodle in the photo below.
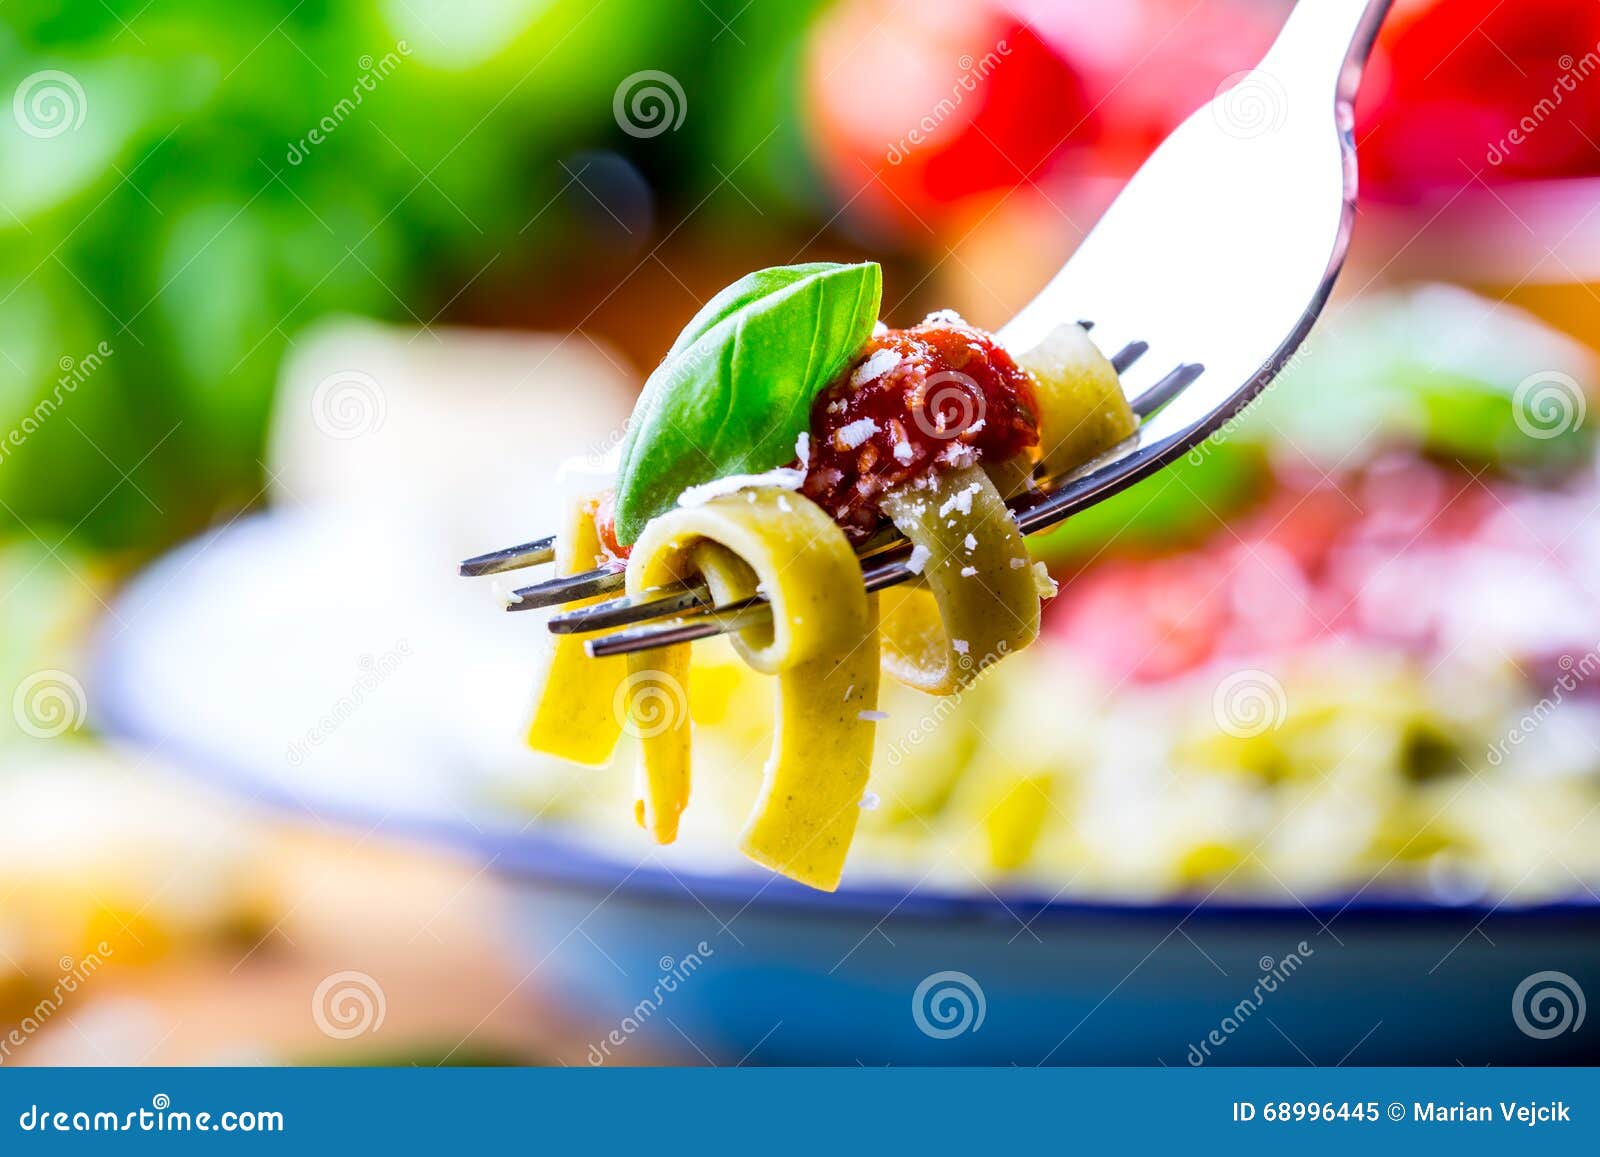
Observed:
{"x":573,"y":718}
{"x":821,"y":645}
{"x":977,"y":602}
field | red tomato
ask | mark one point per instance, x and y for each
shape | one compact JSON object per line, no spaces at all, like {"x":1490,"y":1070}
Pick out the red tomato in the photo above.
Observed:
{"x":1464,"y":87}
{"x":916,"y":108}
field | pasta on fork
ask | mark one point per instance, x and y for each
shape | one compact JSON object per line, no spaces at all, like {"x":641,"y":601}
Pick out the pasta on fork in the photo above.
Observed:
{"x":786,"y":430}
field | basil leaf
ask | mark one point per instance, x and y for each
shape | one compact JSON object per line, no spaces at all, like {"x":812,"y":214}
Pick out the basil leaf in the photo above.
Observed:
{"x":747,"y":290}
{"x":735,"y":391}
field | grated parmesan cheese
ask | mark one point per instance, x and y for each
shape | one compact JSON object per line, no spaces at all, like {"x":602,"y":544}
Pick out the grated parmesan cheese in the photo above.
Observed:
{"x":919,"y":558}
{"x":802,"y":448}
{"x":784,"y":478}
{"x":1018,"y":563}
{"x":961,"y":500}
{"x":869,"y":801}
{"x":970,"y":543}
{"x":880,"y":363}
{"x":958,"y":454}
{"x":872,"y":716}
{"x":968,"y":571}
{"x":959,"y":646}
{"x":852,"y":434}
{"x":945,"y":317}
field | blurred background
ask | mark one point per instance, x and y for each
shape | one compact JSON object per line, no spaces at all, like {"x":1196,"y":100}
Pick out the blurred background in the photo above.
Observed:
{"x":301,"y":302}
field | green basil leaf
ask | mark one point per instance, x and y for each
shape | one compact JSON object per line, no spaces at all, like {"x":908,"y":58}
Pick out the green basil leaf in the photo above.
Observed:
{"x":746,"y":291}
{"x":735,"y":391}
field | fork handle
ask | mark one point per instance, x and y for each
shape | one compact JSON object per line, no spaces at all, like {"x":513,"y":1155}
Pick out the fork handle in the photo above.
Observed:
{"x":1325,"y":44}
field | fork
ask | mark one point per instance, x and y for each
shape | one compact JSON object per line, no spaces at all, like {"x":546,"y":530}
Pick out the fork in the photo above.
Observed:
{"x":1215,"y":260}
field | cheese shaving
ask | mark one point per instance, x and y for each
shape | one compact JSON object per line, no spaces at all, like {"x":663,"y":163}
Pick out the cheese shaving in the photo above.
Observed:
{"x":852,"y":434}
{"x":783,"y":478}
{"x":961,"y":500}
{"x":880,"y":363}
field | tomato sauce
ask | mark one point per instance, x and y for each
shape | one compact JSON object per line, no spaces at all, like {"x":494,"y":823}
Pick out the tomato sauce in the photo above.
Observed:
{"x":939,"y":395}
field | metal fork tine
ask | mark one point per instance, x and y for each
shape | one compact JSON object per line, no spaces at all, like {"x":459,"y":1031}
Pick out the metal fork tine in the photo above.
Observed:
{"x":722,"y":620}
{"x":625,"y":611}
{"x":621,"y":612}
{"x":603,"y":580}
{"x":683,"y":631}
{"x":511,"y":558}
{"x":1128,"y":354}
{"x":1166,"y":389}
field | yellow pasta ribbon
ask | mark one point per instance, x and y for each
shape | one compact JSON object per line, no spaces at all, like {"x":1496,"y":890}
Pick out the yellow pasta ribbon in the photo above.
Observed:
{"x":1081,"y":409}
{"x":821,"y":645}
{"x":977,"y":601}
{"x":654,"y":702}
{"x":575,"y":717}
